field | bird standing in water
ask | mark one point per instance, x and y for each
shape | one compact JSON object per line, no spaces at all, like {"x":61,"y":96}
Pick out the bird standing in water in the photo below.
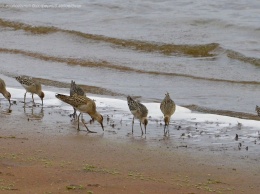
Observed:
{"x":139,"y":111}
{"x":32,"y":86}
{"x":168,"y":108}
{"x":84,"y":105}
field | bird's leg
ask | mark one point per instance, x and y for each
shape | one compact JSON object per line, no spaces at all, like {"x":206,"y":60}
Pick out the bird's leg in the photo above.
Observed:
{"x":9,"y":109}
{"x":83,"y":121}
{"x":141,"y":128}
{"x":24,"y":97}
{"x":133,"y":125}
{"x":91,"y":120}
{"x":33,"y":99}
{"x":74,"y":114}
{"x":168,"y":130}
{"x":164,"y":129}
{"x":78,"y":121}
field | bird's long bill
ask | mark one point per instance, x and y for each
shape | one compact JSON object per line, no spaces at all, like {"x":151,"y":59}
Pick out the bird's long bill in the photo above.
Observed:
{"x":9,"y":102}
{"x":42,"y":102}
{"x":102,"y":126}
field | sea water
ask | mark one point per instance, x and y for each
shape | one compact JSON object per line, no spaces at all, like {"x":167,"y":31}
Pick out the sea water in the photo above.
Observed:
{"x":202,"y":52}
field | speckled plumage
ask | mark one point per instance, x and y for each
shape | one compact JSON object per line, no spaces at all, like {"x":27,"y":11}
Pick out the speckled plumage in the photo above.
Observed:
{"x":75,"y":89}
{"x":139,"y":111}
{"x":32,"y":86}
{"x":168,"y":108}
{"x":3,"y":90}
{"x":84,"y":105}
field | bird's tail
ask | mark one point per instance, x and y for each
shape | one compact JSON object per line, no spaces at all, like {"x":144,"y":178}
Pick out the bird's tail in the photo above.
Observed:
{"x":63,"y":98}
{"x":72,"y":83}
{"x":18,"y":78}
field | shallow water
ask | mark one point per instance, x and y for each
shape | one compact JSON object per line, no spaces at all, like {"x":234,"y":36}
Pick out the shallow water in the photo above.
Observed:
{"x":188,"y":130}
{"x":202,"y":53}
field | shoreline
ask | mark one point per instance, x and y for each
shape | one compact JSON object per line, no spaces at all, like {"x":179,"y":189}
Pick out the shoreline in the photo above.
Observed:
{"x":99,"y":91}
{"x":47,"y":155}
{"x":205,"y":58}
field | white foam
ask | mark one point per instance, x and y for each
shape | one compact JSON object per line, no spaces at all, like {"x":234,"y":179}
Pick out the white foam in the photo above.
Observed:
{"x":49,"y":98}
{"x":109,"y":105}
{"x":182,"y":113}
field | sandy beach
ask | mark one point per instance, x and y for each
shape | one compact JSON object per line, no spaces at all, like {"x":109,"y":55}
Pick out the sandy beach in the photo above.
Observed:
{"x":204,"y":54}
{"x":49,"y":156}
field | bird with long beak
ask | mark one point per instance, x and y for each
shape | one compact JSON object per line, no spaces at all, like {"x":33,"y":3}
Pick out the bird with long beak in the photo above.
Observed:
{"x":168,"y":108}
{"x":32,"y":86}
{"x":139,"y":111}
{"x":3,"y":90}
{"x":84,"y":105}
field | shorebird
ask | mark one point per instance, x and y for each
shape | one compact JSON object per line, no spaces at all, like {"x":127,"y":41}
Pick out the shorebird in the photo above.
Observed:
{"x":75,"y":89}
{"x":168,"y":108}
{"x":3,"y":90}
{"x":257,"y":109}
{"x":139,"y":111}
{"x":84,"y":105}
{"x":32,"y":86}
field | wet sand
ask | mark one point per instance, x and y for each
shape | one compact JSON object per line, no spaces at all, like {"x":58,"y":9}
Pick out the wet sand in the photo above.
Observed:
{"x":42,"y":152}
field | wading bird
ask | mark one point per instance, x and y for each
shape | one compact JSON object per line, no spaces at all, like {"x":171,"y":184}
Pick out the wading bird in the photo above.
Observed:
{"x":32,"y":86}
{"x":168,"y":108}
{"x":84,"y":105}
{"x":139,"y":111}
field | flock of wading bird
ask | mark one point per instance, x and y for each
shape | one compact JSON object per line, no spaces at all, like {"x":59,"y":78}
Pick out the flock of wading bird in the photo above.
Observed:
{"x":79,"y":101}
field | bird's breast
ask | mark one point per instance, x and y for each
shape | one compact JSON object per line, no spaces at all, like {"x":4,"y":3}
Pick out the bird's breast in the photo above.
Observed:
{"x":29,"y":88}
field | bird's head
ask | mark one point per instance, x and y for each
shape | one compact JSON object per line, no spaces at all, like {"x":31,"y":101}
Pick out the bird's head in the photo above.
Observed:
{"x":145,"y":122}
{"x":7,"y":95}
{"x":99,"y":119}
{"x":41,"y":95}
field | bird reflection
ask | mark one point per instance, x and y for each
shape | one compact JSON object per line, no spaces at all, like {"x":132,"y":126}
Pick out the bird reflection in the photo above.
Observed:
{"x":137,"y":139}
{"x":34,"y":114}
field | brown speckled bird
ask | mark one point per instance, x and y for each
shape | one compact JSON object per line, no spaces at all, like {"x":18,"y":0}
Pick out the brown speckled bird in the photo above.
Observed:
{"x":32,"y":86}
{"x":139,"y":111}
{"x":84,"y":105}
{"x":168,"y":108}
